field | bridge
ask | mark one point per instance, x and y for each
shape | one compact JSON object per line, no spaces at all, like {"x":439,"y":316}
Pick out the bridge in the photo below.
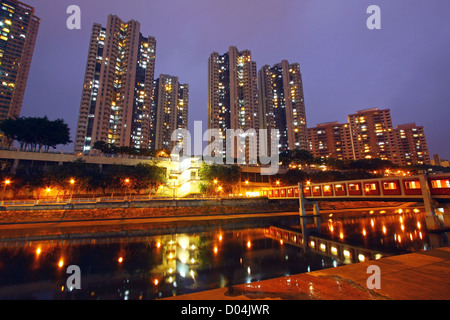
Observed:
{"x":409,"y":188}
{"x":340,"y":251}
{"x":430,"y":190}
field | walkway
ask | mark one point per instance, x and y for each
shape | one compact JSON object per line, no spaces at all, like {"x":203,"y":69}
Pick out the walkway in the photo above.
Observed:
{"x":415,"y":276}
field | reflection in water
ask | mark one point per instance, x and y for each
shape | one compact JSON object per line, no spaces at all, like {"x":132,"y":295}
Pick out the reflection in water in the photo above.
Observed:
{"x":150,"y":268}
{"x":158,"y":266}
{"x":391,"y":231}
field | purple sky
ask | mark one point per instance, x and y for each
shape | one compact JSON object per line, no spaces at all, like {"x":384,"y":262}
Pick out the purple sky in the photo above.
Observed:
{"x":346,"y":67}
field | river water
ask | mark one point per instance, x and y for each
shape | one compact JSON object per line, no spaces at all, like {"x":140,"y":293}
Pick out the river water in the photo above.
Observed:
{"x":160,"y":262}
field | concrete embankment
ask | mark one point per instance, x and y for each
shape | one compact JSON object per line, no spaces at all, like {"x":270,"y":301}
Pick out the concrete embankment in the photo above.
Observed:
{"x":165,"y":208}
{"x":142,"y":209}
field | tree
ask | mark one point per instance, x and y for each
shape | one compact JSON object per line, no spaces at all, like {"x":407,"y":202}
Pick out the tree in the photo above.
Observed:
{"x":34,"y":133}
{"x":215,"y":176}
{"x":297,"y":157}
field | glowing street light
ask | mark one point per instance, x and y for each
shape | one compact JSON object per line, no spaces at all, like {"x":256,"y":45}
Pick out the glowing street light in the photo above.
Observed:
{"x":6,"y":183}
{"x":72,"y":183}
{"x":127,"y":183}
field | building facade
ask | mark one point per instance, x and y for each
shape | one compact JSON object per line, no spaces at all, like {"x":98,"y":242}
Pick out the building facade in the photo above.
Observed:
{"x":19,"y":29}
{"x":282,"y":104}
{"x":117,"y":96}
{"x":232,"y":96}
{"x":373,"y":135}
{"x":171,"y":104}
{"x":412,"y":144}
{"x":369,"y":134}
{"x":330,"y":140}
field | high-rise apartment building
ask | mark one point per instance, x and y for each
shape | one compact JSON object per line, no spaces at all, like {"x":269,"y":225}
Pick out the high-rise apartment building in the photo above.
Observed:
{"x":412,"y":145}
{"x":282,"y":104}
{"x":373,"y":135}
{"x":19,"y":28}
{"x":369,"y":134}
{"x":330,"y":140}
{"x":171,"y":111}
{"x":232,"y":95}
{"x":117,"y":95}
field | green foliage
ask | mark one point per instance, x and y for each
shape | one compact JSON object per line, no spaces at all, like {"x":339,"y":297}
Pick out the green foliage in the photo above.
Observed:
{"x":34,"y":133}
{"x":215,"y":176}
{"x":89,"y":177}
{"x":297,"y":157}
{"x":110,"y":148}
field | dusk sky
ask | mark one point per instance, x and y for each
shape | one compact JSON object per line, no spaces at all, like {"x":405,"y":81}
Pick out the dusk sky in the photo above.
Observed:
{"x":346,"y":67}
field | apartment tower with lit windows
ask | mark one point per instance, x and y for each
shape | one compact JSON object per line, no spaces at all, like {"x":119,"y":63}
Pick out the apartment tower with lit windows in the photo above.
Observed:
{"x":330,"y":140}
{"x":412,"y":144}
{"x":233,"y":97}
{"x":19,"y":29}
{"x":282,"y":104}
{"x":369,"y":134}
{"x":171,"y":112}
{"x":373,"y":135}
{"x":117,"y":95}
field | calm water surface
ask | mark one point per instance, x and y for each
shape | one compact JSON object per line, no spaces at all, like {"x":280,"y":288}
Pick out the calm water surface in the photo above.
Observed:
{"x":167,"y":264}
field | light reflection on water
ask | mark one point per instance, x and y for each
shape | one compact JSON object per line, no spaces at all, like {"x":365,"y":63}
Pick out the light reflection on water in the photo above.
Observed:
{"x":158,"y":266}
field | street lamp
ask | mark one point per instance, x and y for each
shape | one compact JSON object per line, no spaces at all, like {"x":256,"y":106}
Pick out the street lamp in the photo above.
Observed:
{"x":127,"y":182}
{"x":72,"y":182}
{"x":48,"y":190}
{"x":6,"y":183}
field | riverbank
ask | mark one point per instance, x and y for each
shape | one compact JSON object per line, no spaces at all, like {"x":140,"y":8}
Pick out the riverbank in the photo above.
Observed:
{"x":177,"y":208}
{"x":422,"y":275}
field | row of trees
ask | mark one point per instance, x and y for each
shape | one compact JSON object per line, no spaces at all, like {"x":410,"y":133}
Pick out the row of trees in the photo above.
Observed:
{"x":110,"y":148}
{"x":300,"y":157}
{"x":79,"y":176}
{"x":36,"y":133}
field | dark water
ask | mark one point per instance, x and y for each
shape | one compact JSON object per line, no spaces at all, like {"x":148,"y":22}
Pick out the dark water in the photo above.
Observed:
{"x":167,"y":264}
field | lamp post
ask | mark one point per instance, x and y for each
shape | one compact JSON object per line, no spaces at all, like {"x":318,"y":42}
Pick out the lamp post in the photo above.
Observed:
{"x":72,"y":183}
{"x":5,"y":183}
{"x":127,"y":183}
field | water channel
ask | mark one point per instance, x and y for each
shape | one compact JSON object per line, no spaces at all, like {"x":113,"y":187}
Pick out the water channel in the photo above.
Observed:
{"x":147,"y":262}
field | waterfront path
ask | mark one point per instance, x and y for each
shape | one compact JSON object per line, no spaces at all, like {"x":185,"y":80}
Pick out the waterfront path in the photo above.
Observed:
{"x":414,"y":276}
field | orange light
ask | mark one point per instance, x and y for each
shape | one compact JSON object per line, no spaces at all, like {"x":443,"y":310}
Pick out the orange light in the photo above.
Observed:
{"x":249,"y":244}
{"x":281,"y":241}
{"x":158,"y":245}
{"x":220,"y":237}
{"x":61,"y":263}
{"x":216,"y":249}
{"x":120,"y":260}
{"x":72,"y":181}
{"x":38,"y":251}
{"x":7,"y":182}
{"x":156,"y":282}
